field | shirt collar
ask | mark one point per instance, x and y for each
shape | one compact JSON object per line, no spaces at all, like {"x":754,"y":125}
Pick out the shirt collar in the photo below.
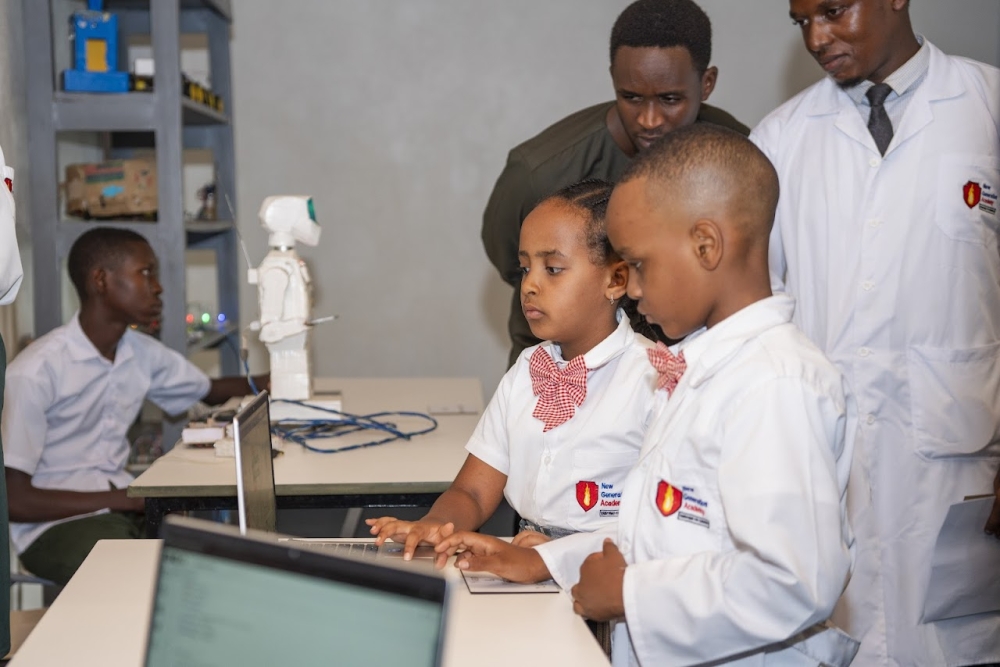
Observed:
{"x":607,"y":349}
{"x":706,"y":350}
{"x":903,"y":79}
{"x":943,"y":81}
{"x":81,"y":348}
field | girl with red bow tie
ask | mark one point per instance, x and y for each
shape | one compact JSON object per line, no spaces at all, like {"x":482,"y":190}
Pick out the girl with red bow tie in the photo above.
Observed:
{"x":568,"y":419}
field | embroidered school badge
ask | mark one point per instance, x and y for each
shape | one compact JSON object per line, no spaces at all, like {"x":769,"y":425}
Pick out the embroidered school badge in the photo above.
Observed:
{"x":971,"y":192}
{"x":668,"y":498}
{"x":586,"y":495}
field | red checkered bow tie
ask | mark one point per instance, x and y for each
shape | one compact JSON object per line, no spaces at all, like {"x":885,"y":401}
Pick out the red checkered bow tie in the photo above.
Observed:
{"x":669,"y":367}
{"x":558,"y":391}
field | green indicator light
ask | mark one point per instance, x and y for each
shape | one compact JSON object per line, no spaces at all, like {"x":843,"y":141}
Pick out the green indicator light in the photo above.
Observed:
{"x":206,"y":318}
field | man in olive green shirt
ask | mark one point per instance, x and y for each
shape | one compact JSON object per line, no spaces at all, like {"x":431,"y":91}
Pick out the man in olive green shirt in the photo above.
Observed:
{"x":660,"y":54}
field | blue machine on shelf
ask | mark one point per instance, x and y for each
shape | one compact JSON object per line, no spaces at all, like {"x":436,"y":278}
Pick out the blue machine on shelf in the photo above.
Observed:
{"x":95,"y":54}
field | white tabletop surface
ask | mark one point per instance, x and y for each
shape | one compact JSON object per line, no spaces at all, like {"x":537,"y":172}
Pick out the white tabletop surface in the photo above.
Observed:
{"x":102,"y":615}
{"x":425,"y":464}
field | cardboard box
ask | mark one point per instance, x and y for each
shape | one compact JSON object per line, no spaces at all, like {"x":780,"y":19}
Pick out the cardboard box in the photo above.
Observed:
{"x":111,"y":189}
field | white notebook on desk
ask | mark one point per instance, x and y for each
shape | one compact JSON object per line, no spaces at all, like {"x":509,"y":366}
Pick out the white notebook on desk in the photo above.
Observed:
{"x":484,"y":582}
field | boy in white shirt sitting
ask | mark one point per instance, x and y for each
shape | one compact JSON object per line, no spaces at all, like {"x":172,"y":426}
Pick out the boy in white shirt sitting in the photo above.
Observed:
{"x":732,"y":543}
{"x":71,"y":396}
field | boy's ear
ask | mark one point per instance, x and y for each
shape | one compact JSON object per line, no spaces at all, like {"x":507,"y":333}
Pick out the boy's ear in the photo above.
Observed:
{"x":706,"y":239}
{"x":99,"y":280}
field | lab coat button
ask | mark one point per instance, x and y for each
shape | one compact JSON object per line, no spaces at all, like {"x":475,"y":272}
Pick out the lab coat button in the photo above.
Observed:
{"x":867,"y":285}
{"x":548,"y":460}
{"x":874,"y":222}
{"x":864,"y":352}
{"x":870,"y":419}
{"x":875,"y":162}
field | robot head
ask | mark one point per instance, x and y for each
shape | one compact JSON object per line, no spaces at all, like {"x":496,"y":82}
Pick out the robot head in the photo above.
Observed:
{"x":289,"y":218}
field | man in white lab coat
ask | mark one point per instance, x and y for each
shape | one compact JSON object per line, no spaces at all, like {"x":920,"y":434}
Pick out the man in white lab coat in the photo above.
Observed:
{"x":886,"y":234}
{"x":10,"y":283}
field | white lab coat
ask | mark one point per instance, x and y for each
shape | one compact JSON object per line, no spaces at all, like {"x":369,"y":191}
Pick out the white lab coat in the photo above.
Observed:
{"x":10,"y":260}
{"x":756,"y":548}
{"x":897,"y":279}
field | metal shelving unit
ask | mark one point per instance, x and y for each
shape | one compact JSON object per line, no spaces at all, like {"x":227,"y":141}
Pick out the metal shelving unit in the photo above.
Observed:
{"x":172,"y":121}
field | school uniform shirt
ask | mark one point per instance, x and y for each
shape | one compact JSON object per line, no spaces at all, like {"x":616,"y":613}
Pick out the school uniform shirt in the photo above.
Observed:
{"x":571,"y":476}
{"x":10,"y":260}
{"x":894,"y":262}
{"x":733,"y":520}
{"x":67,"y":409}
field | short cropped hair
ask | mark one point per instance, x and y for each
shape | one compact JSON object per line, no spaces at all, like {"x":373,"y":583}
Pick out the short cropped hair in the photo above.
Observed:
{"x":101,"y":246}
{"x":710,"y":160}
{"x":663,"y":24}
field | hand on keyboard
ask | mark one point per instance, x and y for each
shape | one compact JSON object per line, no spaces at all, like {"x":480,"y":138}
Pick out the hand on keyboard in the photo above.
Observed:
{"x":410,"y":533}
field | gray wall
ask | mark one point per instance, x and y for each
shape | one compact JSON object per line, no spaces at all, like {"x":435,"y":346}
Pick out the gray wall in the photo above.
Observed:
{"x":397,"y":117}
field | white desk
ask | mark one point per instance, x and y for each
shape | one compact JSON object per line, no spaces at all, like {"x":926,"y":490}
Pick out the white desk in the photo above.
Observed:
{"x":398,"y":474}
{"x":101,"y":617}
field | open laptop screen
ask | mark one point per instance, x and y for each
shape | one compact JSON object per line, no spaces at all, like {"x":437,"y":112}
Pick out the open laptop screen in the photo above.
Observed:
{"x":255,"y":467}
{"x":248,"y":603}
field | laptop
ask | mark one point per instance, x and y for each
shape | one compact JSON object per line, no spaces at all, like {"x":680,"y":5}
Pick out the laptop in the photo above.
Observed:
{"x":255,"y":497}
{"x":222,"y":598}
{"x":255,"y":493}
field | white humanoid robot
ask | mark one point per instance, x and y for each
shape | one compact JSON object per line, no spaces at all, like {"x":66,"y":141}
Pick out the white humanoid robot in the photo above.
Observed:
{"x":284,"y":292}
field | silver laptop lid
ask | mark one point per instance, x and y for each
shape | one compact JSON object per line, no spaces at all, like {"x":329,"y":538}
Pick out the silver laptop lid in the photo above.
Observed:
{"x":223,"y":599}
{"x":255,"y":496}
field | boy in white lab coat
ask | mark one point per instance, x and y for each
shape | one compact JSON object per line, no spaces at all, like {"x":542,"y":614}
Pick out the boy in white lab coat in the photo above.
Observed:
{"x":732,"y":543}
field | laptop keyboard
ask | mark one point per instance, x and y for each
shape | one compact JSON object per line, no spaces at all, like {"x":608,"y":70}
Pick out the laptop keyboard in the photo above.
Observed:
{"x":354,"y":549}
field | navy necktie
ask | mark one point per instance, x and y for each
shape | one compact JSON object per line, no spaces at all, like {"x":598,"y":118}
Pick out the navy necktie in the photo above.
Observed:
{"x":878,"y":122}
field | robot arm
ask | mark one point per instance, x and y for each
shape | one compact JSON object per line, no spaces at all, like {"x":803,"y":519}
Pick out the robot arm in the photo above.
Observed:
{"x":273,"y":285}
{"x":283,"y":292}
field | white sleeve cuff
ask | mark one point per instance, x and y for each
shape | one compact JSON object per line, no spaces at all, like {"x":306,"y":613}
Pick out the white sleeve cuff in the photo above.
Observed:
{"x":564,"y":556}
